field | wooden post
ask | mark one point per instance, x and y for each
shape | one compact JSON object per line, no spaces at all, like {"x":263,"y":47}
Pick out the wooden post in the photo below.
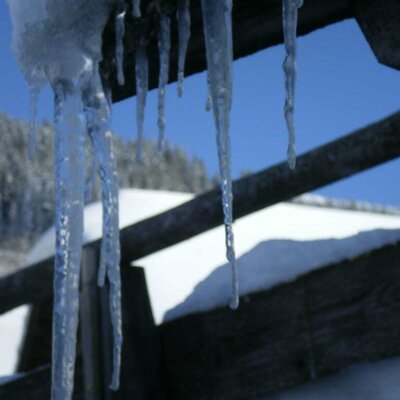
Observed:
{"x":141,"y":374}
{"x":91,"y":343}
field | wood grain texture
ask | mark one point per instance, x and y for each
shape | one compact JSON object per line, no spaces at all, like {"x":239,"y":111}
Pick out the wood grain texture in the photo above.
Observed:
{"x":36,"y":385}
{"x":379,"y":21}
{"x":257,"y":24}
{"x":323,"y":322}
{"x":141,"y":370}
{"x":342,"y":158}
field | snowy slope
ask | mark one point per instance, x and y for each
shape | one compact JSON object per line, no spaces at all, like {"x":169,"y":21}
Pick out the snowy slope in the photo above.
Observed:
{"x":11,"y":332}
{"x":375,"y":381}
{"x":269,"y":244}
{"x":273,"y":245}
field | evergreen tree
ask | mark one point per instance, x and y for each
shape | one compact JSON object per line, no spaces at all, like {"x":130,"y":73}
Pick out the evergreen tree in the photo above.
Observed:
{"x":27,"y":186}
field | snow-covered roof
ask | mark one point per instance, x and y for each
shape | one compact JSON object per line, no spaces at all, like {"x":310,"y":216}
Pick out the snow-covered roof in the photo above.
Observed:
{"x":273,"y":245}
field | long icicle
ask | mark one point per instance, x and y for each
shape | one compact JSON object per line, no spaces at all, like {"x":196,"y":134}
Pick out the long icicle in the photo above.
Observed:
{"x":184,"y":23}
{"x":164,"y":46}
{"x":98,"y":121}
{"x":142,"y":83}
{"x":119,"y":42}
{"x":136,"y":8}
{"x":217,"y":21}
{"x":290,"y":11}
{"x":70,"y":186}
{"x":33,"y":100}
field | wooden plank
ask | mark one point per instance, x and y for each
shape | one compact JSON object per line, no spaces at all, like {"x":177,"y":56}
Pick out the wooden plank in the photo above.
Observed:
{"x":379,"y":21}
{"x":256,"y":26}
{"x":363,"y":149}
{"x":141,"y":372}
{"x":89,"y":324}
{"x":36,"y":385}
{"x":323,"y":322}
{"x":36,"y":345}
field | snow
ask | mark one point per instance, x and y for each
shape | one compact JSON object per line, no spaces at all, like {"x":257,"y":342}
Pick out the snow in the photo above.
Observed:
{"x":60,"y":43}
{"x":12,"y":331}
{"x":217,"y":23}
{"x":375,"y":381}
{"x":134,"y":204}
{"x":285,"y":225}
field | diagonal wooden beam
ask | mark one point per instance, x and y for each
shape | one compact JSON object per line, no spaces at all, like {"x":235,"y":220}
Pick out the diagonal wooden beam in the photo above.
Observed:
{"x":342,"y":158}
{"x":325,"y":321}
{"x":256,"y":25}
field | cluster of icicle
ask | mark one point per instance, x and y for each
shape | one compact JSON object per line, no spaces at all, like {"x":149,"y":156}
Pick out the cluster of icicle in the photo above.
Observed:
{"x":54,"y":47}
{"x":59,"y":43}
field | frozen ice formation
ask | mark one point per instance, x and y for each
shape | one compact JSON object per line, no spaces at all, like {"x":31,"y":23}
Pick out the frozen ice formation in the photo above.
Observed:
{"x":289,"y":11}
{"x":59,"y":43}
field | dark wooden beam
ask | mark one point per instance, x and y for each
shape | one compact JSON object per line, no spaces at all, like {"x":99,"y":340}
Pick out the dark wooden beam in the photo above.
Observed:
{"x":141,"y":370}
{"x":36,"y":385}
{"x":256,"y":25}
{"x":328,"y":320}
{"x":379,"y":21}
{"x":342,"y":158}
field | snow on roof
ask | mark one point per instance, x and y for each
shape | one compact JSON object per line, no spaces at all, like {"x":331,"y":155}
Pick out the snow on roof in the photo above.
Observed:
{"x":11,"y":333}
{"x":135,"y":205}
{"x":273,"y":245}
{"x":374,"y":381}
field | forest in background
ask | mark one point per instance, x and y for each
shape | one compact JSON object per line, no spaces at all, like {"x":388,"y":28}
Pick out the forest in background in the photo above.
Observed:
{"x":27,"y":186}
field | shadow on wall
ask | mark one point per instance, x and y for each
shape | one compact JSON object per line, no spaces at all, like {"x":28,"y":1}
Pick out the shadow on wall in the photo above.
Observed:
{"x":275,"y":261}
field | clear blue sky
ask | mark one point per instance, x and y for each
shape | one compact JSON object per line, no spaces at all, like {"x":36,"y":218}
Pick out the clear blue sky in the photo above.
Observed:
{"x":341,"y":87}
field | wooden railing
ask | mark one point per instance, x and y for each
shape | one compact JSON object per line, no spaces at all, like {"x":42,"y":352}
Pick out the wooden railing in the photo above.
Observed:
{"x":278,"y":338}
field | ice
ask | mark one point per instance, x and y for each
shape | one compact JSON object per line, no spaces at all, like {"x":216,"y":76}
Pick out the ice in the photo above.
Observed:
{"x":184,"y":22}
{"x":53,"y":46}
{"x":119,"y":42}
{"x":289,"y":11}
{"x":217,"y":21}
{"x":33,"y":100}
{"x":98,"y":122}
{"x":136,"y":8}
{"x":164,"y":46}
{"x":142,"y":83}
{"x":70,"y":187}
{"x":209,"y":99}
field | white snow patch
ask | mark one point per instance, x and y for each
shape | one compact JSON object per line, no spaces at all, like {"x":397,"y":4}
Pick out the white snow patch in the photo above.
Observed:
{"x":375,"y":381}
{"x":12,"y":327}
{"x":173,"y":273}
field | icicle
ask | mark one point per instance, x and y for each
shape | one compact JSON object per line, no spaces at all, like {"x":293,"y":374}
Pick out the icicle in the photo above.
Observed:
{"x":91,"y":179}
{"x":142,"y":78}
{"x":209,"y":98}
{"x":208,"y":103}
{"x":119,"y":40}
{"x":98,"y":122}
{"x":164,"y":46}
{"x":69,"y":188}
{"x":217,"y":21}
{"x":184,"y":23}
{"x":33,"y":100}
{"x":136,"y":8}
{"x":289,"y":10}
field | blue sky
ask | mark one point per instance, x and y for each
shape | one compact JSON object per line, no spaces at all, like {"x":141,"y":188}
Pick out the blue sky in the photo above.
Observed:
{"x":341,"y":87}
